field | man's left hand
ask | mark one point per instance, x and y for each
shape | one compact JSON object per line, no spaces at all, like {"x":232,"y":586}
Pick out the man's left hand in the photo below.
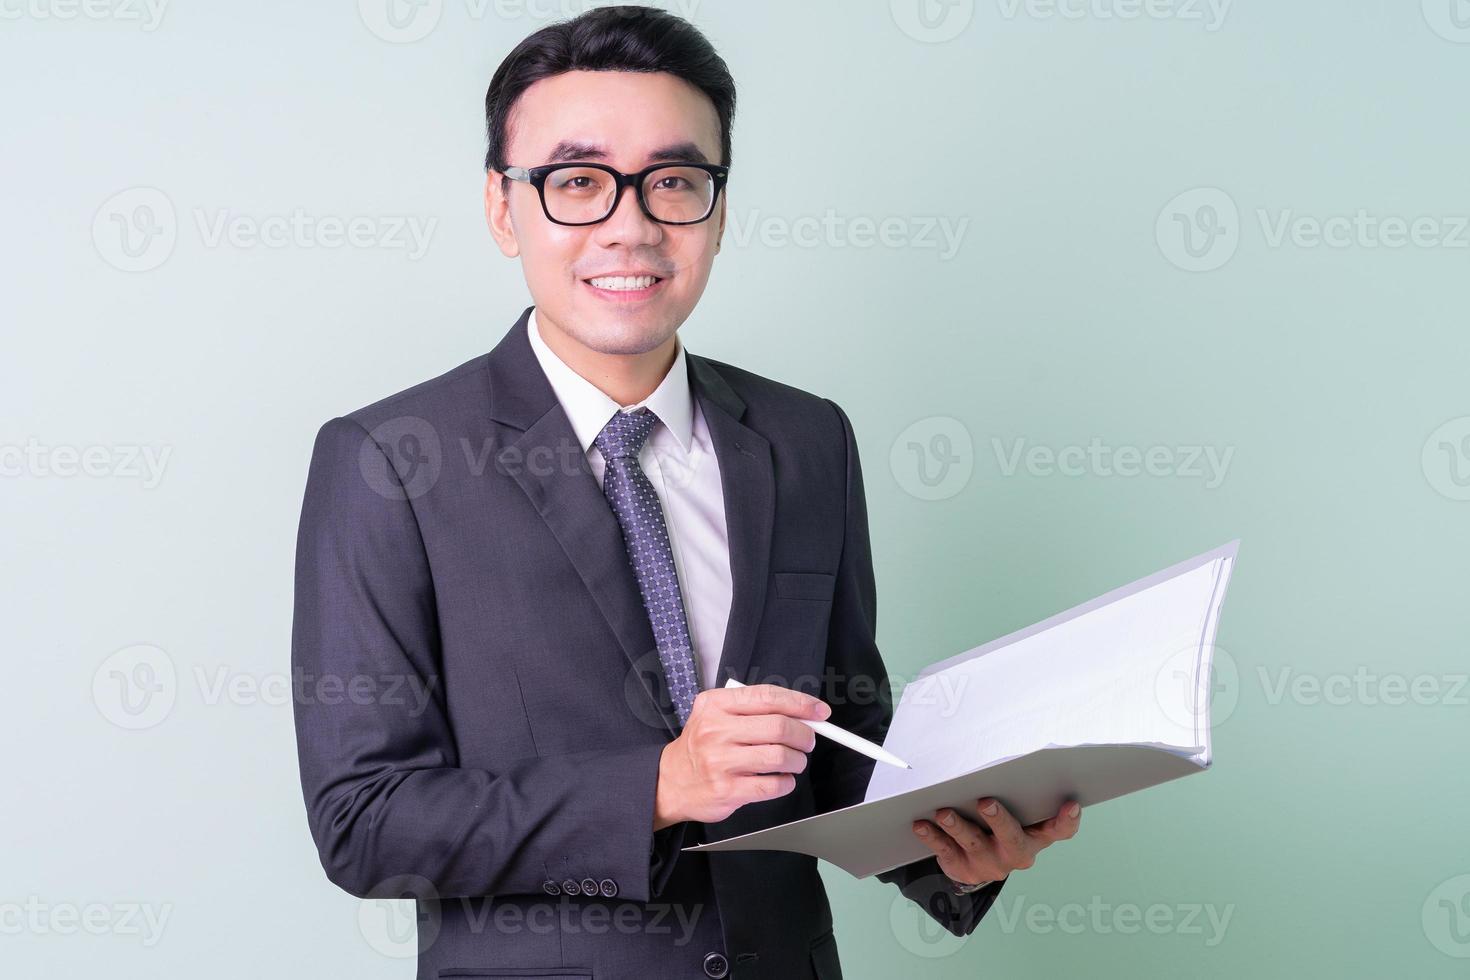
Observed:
{"x":987,"y":851}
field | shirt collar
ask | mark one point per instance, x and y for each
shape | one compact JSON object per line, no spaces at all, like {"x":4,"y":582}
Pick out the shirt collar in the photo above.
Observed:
{"x":588,"y":407}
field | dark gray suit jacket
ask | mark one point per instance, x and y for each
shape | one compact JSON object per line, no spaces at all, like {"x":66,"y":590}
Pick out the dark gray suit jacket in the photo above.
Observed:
{"x":479,"y":704}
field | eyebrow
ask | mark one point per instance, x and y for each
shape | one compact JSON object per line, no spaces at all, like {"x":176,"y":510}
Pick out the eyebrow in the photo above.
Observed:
{"x":574,"y":150}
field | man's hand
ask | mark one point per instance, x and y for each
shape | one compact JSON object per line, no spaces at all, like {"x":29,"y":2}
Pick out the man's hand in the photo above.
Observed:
{"x":970,"y":853}
{"x":740,"y":745}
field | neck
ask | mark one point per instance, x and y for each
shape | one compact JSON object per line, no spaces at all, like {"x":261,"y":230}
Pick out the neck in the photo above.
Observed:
{"x":625,"y":378}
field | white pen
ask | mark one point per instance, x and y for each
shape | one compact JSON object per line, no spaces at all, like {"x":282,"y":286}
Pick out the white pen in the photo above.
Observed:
{"x":854,"y":742}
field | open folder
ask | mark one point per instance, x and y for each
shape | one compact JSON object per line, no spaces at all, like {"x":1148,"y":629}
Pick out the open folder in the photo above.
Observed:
{"x":1107,"y":698}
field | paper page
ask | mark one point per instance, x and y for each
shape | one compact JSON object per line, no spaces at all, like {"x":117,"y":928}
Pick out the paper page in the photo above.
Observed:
{"x":1102,"y":700}
{"x":1121,"y":672}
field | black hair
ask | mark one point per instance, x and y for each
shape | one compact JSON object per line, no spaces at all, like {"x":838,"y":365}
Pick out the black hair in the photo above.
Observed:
{"x":614,"y":38}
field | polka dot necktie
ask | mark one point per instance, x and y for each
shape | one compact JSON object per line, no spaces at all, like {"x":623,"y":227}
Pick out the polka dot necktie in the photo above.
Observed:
{"x":641,"y":516}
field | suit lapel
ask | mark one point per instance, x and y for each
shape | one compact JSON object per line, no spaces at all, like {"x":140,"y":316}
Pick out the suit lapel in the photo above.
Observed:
{"x":748,"y":482}
{"x":549,"y":465}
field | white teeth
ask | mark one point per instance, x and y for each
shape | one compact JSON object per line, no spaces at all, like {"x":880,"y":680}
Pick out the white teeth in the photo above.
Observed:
{"x":623,"y":282}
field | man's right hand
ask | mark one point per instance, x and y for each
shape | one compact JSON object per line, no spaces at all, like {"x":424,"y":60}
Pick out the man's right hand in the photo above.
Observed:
{"x":740,"y":745}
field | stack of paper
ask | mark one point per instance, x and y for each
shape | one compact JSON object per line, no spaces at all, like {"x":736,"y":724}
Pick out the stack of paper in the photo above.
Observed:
{"x":1106,"y":698}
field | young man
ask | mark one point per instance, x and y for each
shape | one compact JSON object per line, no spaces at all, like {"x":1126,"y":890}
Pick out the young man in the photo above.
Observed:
{"x":530,"y":577}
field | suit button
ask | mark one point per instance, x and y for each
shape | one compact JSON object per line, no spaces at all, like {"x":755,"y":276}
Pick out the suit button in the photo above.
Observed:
{"x":609,"y":887}
{"x":550,"y":887}
{"x":715,"y":965}
{"x":589,"y":886}
{"x":571,"y":887}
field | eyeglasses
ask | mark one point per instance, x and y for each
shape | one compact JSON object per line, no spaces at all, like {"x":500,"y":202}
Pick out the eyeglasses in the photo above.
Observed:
{"x":587,"y":193}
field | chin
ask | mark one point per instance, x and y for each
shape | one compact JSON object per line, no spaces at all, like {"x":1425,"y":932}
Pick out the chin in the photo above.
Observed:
{"x":616,"y":335}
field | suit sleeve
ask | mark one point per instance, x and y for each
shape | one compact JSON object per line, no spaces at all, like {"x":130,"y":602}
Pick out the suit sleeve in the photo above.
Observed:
{"x":840,"y":776}
{"x":386,"y":797}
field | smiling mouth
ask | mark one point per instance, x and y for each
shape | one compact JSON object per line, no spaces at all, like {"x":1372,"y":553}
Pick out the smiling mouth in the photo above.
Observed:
{"x":621,"y":284}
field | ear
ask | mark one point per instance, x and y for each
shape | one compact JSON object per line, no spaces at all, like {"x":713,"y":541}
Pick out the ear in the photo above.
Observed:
{"x":497,"y":215}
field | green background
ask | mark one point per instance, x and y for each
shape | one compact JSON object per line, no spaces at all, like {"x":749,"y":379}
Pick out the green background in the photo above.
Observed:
{"x":1331,"y":831}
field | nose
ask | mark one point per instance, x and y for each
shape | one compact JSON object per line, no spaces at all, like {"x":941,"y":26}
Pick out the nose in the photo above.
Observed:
{"x":628,"y":225}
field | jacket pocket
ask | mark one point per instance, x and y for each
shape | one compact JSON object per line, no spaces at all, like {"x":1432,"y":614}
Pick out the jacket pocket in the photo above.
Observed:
{"x":805,"y":585}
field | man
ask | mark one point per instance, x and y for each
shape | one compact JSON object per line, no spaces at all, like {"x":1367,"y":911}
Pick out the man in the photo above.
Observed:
{"x":531,"y":576}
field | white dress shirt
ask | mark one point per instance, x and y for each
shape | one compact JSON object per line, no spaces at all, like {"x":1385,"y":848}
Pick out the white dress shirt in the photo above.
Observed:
{"x":679,"y":460}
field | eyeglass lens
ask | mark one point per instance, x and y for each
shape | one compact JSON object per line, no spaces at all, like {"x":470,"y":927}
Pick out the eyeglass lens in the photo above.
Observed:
{"x":578,"y":194}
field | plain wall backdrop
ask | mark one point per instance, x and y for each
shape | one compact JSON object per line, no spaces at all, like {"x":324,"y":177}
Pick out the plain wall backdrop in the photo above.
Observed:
{"x":1101,"y":283}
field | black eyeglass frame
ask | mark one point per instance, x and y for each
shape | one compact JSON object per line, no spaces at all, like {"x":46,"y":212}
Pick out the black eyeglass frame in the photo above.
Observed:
{"x":536,"y":177}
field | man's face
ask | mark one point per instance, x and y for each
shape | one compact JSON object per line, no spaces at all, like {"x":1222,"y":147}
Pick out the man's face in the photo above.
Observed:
{"x":621,"y":119}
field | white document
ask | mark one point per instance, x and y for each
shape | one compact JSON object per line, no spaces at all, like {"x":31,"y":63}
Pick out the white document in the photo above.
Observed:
{"x":1106,"y":698}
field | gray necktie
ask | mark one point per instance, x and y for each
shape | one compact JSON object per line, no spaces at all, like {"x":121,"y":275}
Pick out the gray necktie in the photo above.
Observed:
{"x":641,"y":516}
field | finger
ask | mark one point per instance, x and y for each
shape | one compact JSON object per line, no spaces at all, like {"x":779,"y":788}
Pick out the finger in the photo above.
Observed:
{"x":1009,"y":834}
{"x":767,"y":699}
{"x":1063,"y":826}
{"x":753,"y":788}
{"x":971,"y":838}
{"x":773,"y":730}
{"x":951,"y":855}
{"x":757,"y":759}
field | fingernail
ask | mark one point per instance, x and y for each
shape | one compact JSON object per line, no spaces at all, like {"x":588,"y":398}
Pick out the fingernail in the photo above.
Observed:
{"x":1073,"y":810}
{"x":922,"y":830}
{"x":989,"y":809}
{"x":823,"y":710}
{"x":947,"y":818}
